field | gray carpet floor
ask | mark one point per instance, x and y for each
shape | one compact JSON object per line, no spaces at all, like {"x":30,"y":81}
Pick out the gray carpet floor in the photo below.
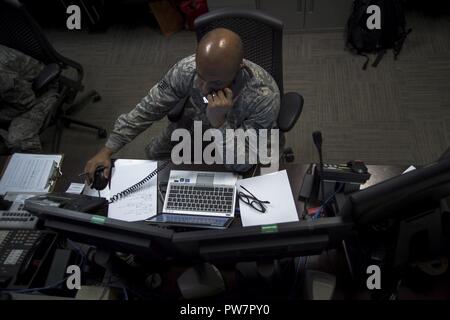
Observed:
{"x":397,"y":113}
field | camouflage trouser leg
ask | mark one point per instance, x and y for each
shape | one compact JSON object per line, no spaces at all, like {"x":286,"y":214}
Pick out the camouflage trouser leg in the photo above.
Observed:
{"x":161,"y":146}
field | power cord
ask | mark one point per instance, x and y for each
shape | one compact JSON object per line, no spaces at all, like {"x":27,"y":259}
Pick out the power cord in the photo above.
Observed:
{"x":319,"y":211}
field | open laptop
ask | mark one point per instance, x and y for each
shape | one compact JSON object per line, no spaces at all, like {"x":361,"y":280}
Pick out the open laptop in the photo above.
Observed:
{"x":199,"y":199}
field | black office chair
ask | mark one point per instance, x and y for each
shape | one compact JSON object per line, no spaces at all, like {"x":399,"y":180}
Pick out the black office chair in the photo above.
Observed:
{"x":18,"y":30}
{"x":262,"y":36}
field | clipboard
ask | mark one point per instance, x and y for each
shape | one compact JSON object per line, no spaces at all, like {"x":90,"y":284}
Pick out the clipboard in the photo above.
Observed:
{"x":54,"y":173}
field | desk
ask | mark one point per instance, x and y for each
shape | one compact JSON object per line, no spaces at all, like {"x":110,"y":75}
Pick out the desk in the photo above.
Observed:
{"x":332,"y":261}
{"x":294,"y":171}
{"x":295,"y":174}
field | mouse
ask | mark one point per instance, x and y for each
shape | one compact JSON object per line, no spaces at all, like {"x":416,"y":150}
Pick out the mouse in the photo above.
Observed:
{"x":100,"y":181}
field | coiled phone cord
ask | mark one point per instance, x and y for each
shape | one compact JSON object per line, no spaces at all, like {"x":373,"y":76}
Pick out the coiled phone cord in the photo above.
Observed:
{"x":135,"y":187}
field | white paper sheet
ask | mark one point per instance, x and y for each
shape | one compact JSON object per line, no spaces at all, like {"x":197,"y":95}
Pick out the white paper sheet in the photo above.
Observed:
{"x":28,"y":173}
{"x":76,"y":188}
{"x":410,"y":168}
{"x":138,"y":205}
{"x":273,"y":187}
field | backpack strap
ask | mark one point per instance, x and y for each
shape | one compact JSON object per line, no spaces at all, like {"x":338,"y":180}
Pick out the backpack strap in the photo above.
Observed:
{"x":378,"y":58}
{"x":364,"y":67}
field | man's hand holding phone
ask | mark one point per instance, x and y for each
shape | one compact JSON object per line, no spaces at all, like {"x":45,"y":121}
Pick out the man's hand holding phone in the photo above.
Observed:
{"x":219,"y":103}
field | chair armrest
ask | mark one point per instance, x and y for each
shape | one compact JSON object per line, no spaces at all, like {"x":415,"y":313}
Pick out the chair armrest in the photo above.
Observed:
{"x":45,"y":77}
{"x":290,"y":110}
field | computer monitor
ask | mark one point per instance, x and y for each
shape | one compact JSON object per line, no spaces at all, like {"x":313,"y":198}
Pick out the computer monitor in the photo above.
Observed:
{"x":234,"y":244}
{"x":106,"y":233}
{"x":402,"y":219}
{"x":263,"y":242}
{"x":401,"y":196}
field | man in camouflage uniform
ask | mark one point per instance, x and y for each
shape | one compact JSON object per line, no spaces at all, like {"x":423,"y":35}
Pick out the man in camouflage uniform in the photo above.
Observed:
{"x":22,"y":113}
{"x":240,"y":94}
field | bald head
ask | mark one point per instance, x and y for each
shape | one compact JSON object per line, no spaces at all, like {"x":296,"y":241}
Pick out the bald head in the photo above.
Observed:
{"x":219,"y":56}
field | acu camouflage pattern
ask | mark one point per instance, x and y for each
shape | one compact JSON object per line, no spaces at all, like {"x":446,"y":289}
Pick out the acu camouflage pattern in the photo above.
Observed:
{"x":256,"y":105}
{"x":22,"y":114}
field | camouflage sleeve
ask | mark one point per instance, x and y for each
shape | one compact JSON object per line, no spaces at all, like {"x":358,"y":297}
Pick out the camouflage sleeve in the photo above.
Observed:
{"x":154,"y":106}
{"x":17,"y":72}
{"x":263,"y":115}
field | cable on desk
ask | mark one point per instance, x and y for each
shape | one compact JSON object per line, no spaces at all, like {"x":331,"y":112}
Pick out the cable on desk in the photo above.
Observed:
{"x":80,"y":252}
{"x":37,"y":289}
{"x":319,"y":211}
{"x":135,"y":187}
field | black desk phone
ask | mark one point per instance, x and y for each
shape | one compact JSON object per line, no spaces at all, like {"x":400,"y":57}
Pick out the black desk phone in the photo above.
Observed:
{"x":350,"y":175}
{"x":352,"y":172}
{"x":22,"y":254}
{"x":69,"y":201}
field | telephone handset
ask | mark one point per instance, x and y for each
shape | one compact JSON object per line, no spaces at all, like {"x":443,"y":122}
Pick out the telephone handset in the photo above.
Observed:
{"x":135,"y":187}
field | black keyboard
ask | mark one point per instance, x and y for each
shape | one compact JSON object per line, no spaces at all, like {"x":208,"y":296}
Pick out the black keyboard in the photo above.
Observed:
{"x":188,"y":197}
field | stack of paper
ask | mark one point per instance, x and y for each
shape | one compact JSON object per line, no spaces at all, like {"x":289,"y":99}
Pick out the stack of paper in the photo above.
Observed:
{"x":275,"y":188}
{"x":30,"y":173}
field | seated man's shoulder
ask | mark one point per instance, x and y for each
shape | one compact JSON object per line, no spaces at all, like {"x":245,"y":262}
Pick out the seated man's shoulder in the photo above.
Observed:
{"x":261,"y":82}
{"x":187,"y":63}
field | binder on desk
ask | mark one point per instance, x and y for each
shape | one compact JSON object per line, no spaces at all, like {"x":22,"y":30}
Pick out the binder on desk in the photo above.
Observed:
{"x":36,"y":173}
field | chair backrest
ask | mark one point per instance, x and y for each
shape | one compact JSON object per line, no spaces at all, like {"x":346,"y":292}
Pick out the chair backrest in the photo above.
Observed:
{"x":18,"y":30}
{"x":261,"y":34}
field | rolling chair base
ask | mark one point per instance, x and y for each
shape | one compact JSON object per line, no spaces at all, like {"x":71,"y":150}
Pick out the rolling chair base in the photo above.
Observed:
{"x":66,"y":121}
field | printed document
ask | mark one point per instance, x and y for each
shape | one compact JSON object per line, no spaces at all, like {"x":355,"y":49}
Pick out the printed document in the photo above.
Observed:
{"x":29,"y":173}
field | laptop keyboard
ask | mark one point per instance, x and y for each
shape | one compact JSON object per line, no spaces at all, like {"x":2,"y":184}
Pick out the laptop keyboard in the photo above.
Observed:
{"x":215,"y":199}
{"x":191,"y":220}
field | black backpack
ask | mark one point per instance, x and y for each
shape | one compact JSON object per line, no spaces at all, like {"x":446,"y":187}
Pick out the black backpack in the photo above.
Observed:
{"x":392,"y":34}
